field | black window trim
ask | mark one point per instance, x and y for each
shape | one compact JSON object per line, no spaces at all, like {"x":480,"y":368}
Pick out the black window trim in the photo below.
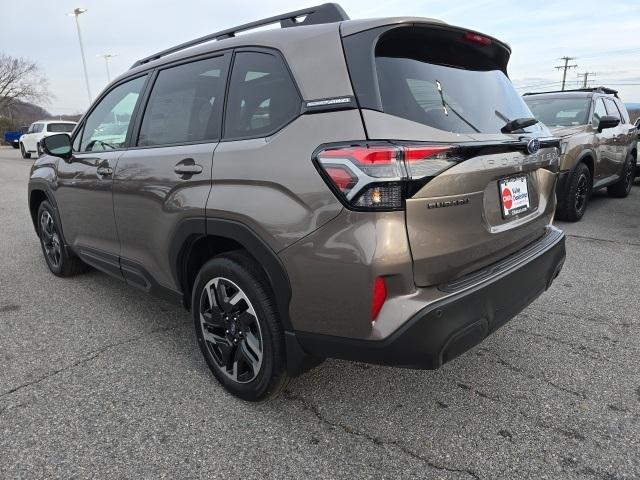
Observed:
{"x":142,"y":106}
{"x":79,"y":130}
{"x":270,"y":51}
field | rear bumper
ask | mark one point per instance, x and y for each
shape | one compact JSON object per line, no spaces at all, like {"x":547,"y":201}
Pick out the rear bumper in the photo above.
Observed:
{"x":475,"y":307}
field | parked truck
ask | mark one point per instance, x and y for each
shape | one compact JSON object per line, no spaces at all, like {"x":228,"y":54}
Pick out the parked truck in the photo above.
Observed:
{"x":13,"y":137}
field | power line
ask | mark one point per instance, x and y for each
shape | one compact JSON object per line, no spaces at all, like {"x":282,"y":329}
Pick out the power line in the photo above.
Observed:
{"x":565,"y":67}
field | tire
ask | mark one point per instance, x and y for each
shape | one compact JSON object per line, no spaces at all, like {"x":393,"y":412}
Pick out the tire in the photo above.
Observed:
{"x":24,"y":153}
{"x":15,"y":145}
{"x":246,"y":331}
{"x":59,"y":260}
{"x":622,"y":187}
{"x":572,"y":203}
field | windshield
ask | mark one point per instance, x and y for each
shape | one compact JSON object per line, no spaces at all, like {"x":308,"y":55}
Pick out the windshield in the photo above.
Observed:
{"x":61,"y":127}
{"x":560,"y":112}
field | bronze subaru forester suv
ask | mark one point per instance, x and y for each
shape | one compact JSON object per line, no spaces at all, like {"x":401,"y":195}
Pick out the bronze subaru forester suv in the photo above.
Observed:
{"x":332,"y":188}
{"x":599,"y":145}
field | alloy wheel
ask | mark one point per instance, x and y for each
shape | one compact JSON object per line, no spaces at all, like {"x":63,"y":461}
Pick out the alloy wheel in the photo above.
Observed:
{"x":50,"y":239}
{"x":230,"y":330}
{"x":629,"y":175}
{"x":582,"y":191}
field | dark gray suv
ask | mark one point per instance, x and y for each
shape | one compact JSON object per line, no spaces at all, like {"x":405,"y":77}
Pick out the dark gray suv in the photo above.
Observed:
{"x":332,"y":188}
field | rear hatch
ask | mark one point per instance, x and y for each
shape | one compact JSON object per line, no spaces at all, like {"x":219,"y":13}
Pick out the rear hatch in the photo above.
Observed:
{"x":479,"y":191}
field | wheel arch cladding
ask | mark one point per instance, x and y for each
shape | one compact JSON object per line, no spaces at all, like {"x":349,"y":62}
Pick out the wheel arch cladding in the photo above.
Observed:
{"x":36,"y":197}
{"x":199,"y":240}
{"x":587,"y":159}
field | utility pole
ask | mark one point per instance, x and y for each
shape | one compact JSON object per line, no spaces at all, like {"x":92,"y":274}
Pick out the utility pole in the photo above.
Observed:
{"x":565,"y":67}
{"x":585,"y":77}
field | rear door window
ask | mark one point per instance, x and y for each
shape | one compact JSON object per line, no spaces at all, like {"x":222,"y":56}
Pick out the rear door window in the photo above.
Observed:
{"x":262,"y":96}
{"x":185,"y":104}
{"x":440,"y":80}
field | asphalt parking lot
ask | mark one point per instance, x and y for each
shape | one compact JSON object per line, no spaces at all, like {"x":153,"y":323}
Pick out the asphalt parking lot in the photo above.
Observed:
{"x":98,"y":380}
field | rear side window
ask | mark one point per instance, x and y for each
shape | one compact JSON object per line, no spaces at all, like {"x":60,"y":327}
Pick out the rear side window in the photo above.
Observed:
{"x":185,"y":104}
{"x":441,"y":79}
{"x":60,"y":127}
{"x":262,"y":96}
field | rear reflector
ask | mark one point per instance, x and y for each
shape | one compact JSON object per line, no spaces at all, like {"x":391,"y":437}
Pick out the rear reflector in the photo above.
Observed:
{"x":379,"y":177}
{"x":378,"y":298}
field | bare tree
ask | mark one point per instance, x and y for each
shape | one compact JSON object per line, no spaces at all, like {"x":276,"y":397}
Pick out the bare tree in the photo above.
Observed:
{"x":21,"y":81}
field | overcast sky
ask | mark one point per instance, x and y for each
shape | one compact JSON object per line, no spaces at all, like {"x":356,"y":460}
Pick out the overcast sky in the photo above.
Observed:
{"x":603,"y":35}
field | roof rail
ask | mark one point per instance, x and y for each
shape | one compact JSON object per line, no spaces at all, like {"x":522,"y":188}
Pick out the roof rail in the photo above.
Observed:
{"x":605,"y":90}
{"x":325,"y":13}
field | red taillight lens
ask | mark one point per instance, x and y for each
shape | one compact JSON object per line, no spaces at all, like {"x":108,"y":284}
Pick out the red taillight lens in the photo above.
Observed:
{"x":374,"y":177}
{"x":477,"y":39}
{"x":378,"y":298}
{"x":363,"y":155}
{"x":342,"y":178}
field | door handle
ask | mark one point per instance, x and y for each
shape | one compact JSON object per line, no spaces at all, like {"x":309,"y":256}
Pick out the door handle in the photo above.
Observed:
{"x":187,"y":167}
{"x":104,"y":170}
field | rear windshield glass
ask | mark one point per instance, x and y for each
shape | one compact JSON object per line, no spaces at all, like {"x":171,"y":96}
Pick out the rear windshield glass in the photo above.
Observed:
{"x":465,"y":95}
{"x":60,"y":127}
{"x":559,"y":112}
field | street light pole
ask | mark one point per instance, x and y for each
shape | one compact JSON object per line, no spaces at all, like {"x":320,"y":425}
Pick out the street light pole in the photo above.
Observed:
{"x":106,"y":57}
{"x":76,"y":13}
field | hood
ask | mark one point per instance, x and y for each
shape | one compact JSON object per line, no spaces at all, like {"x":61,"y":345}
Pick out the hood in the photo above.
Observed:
{"x":562,"y":132}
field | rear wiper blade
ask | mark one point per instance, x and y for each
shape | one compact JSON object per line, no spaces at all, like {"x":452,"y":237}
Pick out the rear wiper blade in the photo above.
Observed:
{"x":518,"y":124}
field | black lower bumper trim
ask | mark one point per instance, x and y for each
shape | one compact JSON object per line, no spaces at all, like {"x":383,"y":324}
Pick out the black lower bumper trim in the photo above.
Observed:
{"x":443,"y":330}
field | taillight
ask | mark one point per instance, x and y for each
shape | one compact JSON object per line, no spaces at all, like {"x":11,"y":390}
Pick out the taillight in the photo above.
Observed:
{"x":380,"y":177}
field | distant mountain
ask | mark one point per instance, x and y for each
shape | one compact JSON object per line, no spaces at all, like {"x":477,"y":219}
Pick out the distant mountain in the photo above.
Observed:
{"x":23,"y":113}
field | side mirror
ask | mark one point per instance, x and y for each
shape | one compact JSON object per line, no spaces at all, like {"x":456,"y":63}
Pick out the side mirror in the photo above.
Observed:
{"x":57,"y":145}
{"x":608,"y":122}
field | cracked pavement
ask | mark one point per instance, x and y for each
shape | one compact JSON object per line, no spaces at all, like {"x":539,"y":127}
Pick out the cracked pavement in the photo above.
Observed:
{"x":100,"y":380}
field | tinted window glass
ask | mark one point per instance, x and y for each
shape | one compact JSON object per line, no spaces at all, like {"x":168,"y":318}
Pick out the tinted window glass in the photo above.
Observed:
{"x":262,"y":96}
{"x":559,"y":112}
{"x":611,"y":108}
{"x":598,"y":112}
{"x":473,"y":96}
{"x":106,"y":126}
{"x":185,"y":104}
{"x":60,"y":127}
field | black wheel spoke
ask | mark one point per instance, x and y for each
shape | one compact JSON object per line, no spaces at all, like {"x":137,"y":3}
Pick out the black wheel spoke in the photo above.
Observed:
{"x":213,"y":319}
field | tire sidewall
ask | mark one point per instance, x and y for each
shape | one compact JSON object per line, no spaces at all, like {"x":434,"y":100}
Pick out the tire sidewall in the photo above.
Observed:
{"x":260,"y":386}
{"x":581,"y":171}
{"x":45,"y":206}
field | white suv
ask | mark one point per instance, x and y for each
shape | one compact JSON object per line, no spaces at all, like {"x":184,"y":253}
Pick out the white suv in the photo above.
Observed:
{"x":30,"y":141}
